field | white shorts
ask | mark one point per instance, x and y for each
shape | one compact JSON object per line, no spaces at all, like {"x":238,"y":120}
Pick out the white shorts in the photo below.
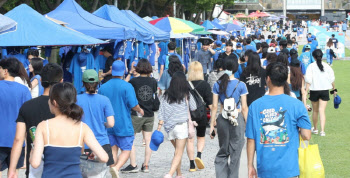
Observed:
{"x":180,"y":131}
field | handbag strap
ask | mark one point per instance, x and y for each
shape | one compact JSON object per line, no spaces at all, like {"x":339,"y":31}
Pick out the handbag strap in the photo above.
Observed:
{"x":193,"y":88}
{"x":232,"y":92}
{"x":302,"y":141}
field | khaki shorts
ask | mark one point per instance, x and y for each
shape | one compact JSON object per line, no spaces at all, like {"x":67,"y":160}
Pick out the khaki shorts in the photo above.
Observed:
{"x":142,"y":123}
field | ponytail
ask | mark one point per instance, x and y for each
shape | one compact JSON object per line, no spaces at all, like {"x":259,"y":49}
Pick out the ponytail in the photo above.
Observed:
{"x":224,"y":79}
{"x":90,"y":87}
{"x":73,"y":111}
{"x":317,"y":54}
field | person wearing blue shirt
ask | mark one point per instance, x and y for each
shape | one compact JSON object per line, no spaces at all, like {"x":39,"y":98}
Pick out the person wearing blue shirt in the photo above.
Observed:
{"x":164,"y":63}
{"x":268,"y":41}
{"x":35,"y":67}
{"x":205,"y":55}
{"x":312,"y":47}
{"x":314,"y":41}
{"x":249,"y":46}
{"x":242,"y":64}
{"x":13,"y":95}
{"x":272,"y":128}
{"x":98,"y":112}
{"x":123,"y":98}
{"x":306,"y":59}
{"x":344,"y":26}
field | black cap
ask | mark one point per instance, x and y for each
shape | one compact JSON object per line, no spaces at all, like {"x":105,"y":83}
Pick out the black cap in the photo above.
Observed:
{"x":295,"y":62}
{"x":109,"y":49}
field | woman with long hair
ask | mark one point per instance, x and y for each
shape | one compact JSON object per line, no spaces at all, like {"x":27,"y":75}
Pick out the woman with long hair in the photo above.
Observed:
{"x":230,"y":130}
{"x":319,"y":79}
{"x":297,"y":82}
{"x":254,"y":76}
{"x":61,"y":138}
{"x":330,"y":51}
{"x":22,"y":77}
{"x":173,"y":116}
{"x":196,"y":77}
{"x":216,"y":73}
{"x":35,"y":66}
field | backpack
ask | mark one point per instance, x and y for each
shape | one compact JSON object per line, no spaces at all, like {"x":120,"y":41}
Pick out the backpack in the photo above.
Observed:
{"x":200,"y":112}
{"x":229,"y":110}
{"x":331,"y":52}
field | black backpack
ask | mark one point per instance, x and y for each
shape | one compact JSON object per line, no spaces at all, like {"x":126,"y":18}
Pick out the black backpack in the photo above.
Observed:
{"x":200,"y":112}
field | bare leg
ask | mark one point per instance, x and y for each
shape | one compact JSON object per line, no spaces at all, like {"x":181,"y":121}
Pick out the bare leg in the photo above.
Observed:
{"x":315,"y":112}
{"x":133,"y":155}
{"x":200,"y":144}
{"x":179,"y":149}
{"x":148,"y":151}
{"x":115,"y":155}
{"x":190,"y":148}
{"x":322,"y":112}
{"x":122,"y":158}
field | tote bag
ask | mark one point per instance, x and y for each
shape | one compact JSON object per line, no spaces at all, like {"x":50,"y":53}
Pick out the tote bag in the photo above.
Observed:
{"x":310,"y":163}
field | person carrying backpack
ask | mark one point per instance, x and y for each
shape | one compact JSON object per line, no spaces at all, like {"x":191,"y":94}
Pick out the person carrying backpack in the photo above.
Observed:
{"x":231,"y":93}
{"x":199,"y":89}
{"x":164,"y":63}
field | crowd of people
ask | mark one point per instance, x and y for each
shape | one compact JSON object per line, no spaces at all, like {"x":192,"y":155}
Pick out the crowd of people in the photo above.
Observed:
{"x":253,"y":86}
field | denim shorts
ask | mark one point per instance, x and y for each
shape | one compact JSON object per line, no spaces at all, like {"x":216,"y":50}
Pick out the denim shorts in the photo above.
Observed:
{"x":124,"y":143}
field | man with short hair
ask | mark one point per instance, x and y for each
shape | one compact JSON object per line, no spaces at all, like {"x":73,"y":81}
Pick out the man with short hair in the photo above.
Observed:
{"x":249,"y":46}
{"x":107,"y":72}
{"x":312,"y":47}
{"x":272,"y":128}
{"x":164,"y":63}
{"x":12,"y":97}
{"x":335,"y":41}
{"x":204,"y":56}
{"x":123,"y":98}
{"x":30,"y":115}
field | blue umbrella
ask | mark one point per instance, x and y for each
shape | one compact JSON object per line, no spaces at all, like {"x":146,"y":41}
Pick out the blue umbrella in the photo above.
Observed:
{"x":208,"y":25}
{"x":232,"y":27}
{"x":7,"y":24}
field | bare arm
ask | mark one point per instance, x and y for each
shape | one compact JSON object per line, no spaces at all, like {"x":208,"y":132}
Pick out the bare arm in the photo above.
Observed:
{"x":244,"y":107}
{"x":305,"y":134}
{"x":161,"y":71}
{"x":214,"y":109}
{"x":250,"y":156}
{"x":90,"y":140}
{"x":160,"y":124}
{"x":138,"y":109}
{"x":17,"y":146}
{"x":37,"y":151}
{"x":211,"y":51}
{"x":35,"y":83}
{"x":110,"y":122}
{"x":303,"y":92}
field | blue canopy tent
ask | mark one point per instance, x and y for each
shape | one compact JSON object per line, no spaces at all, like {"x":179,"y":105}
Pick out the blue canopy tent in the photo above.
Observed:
{"x":217,"y":25}
{"x":159,"y":35}
{"x":7,"y":24}
{"x":113,"y":14}
{"x":154,"y":17}
{"x":208,"y":25}
{"x":232,"y":27}
{"x":216,"y":20}
{"x":34,"y":29}
{"x":78,"y":19}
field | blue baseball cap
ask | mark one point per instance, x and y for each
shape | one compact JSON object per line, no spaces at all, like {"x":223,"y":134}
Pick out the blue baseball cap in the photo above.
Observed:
{"x":218,"y":43}
{"x":310,"y":39}
{"x":156,"y":139}
{"x":118,"y":68}
{"x":337,"y":101}
{"x":239,"y":44}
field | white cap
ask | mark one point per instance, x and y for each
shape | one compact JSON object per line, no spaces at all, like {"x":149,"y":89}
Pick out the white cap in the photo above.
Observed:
{"x":271,"y":50}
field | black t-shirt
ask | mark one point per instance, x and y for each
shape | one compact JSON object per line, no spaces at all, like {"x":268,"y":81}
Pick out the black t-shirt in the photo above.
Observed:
{"x":145,"y":89}
{"x":255,"y":85}
{"x":109,"y":63}
{"x":205,"y":91}
{"x":224,"y":55}
{"x":32,"y":113}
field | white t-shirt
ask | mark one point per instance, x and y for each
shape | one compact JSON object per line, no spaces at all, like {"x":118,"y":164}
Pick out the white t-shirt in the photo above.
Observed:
{"x":23,"y":82}
{"x":35,"y":91}
{"x":317,"y":79}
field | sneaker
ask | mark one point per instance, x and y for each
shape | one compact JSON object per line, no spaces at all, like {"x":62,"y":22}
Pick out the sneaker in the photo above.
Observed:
{"x":114,"y":172}
{"x":199,"y":163}
{"x":314,"y":131}
{"x":145,"y":168}
{"x":130,"y":169}
{"x":322,"y":134}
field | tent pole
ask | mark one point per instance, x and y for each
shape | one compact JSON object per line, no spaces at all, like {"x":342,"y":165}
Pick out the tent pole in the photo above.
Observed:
{"x":182,"y":50}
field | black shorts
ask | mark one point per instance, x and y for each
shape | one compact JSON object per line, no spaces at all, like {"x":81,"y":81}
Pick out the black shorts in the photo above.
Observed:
{"x":321,"y":94}
{"x":108,"y":150}
{"x":201,"y":131}
{"x":5,"y":154}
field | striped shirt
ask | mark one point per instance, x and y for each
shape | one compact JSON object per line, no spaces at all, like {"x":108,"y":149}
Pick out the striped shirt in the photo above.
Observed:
{"x":174,"y":113}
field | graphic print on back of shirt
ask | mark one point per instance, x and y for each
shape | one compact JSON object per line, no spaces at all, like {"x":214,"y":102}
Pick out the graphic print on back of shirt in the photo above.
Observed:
{"x":273,"y":129}
{"x":145,"y":93}
{"x":252,"y":80}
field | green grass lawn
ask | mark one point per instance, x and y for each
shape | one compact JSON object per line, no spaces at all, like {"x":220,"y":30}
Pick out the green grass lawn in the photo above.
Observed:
{"x":347,"y":52}
{"x":335,"y":147}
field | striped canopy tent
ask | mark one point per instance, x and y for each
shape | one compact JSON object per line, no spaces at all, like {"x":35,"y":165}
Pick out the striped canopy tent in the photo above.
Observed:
{"x":240,"y":15}
{"x":176,"y":25}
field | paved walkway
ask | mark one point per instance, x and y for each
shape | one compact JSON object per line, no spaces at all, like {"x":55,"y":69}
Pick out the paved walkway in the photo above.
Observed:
{"x":161,"y":160}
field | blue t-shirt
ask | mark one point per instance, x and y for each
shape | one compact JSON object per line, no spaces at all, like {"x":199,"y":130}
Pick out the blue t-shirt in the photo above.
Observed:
{"x":305,"y":60}
{"x":273,"y":122}
{"x":123,"y":98}
{"x":96,"y":109}
{"x":240,"y":70}
{"x":41,"y":88}
{"x":164,"y":58}
{"x":240,"y":90}
{"x":12,"y":96}
{"x":344,"y":26}
{"x":251,"y":47}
